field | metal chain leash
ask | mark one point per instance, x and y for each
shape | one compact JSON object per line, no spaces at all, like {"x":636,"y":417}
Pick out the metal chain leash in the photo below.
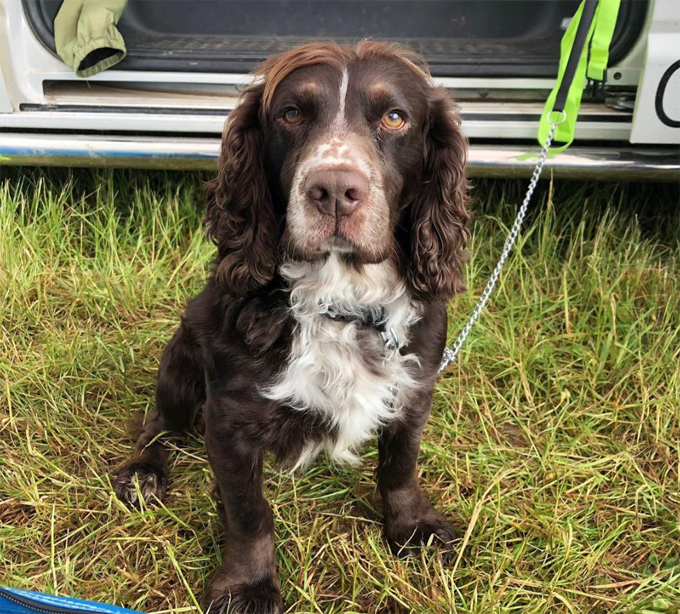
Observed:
{"x":450,"y":353}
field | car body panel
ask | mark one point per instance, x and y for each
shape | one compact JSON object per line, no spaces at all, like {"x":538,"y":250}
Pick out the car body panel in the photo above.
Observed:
{"x":179,"y":116}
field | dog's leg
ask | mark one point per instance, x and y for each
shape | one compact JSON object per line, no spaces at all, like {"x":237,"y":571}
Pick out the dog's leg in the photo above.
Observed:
{"x":410,"y":519}
{"x":180,"y":392}
{"x":246,"y":582}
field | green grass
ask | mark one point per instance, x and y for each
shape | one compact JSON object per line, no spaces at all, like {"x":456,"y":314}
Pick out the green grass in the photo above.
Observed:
{"x":554,"y":443}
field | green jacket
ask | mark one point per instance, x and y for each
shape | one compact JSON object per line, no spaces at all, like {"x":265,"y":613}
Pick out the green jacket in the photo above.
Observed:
{"x":86,"y":36}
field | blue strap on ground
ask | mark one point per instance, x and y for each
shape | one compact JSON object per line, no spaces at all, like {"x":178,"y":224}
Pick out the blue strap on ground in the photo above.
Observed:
{"x":17,"y":601}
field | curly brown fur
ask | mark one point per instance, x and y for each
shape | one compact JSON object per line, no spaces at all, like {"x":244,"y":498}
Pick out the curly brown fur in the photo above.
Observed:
{"x":341,"y":182}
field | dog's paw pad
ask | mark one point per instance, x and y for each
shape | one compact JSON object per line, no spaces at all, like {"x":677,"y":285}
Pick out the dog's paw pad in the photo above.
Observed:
{"x":140,"y":479}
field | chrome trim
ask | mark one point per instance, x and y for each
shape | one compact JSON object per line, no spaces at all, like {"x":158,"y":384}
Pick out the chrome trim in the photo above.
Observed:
{"x":610,"y":163}
{"x":587,"y":163}
{"x":109,"y":151}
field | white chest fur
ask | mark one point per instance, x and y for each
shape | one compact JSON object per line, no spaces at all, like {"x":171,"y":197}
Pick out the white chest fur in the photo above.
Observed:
{"x":339,"y":368}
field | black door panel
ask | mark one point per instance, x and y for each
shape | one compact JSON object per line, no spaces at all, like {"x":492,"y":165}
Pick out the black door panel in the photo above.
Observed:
{"x":503,"y":38}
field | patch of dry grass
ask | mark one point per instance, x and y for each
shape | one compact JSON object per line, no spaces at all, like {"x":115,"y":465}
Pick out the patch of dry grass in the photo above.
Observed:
{"x":554,"y":443}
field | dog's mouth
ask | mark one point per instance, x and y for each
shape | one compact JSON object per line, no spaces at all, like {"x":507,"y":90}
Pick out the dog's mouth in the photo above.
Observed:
{"x":331,"y":237}
{"x":349,"y":237}
{"x":338,"y":244}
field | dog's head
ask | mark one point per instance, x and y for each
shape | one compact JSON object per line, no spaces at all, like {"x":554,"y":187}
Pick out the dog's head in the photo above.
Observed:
{"x":341,"y":149}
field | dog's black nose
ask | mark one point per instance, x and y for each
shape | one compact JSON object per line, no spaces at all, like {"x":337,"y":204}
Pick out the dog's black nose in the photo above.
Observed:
{"x":337,"y":192}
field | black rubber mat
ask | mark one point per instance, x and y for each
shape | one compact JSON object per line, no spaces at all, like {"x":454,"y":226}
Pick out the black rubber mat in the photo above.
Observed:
{"x":458,"y":37}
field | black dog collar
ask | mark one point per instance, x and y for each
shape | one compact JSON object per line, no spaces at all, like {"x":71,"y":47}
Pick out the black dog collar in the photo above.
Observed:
{"x":372,"y":317}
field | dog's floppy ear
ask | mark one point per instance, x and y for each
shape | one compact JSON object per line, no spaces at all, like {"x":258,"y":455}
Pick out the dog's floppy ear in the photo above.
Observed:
{"x":439,"y":216}
{"x":240,"y":218}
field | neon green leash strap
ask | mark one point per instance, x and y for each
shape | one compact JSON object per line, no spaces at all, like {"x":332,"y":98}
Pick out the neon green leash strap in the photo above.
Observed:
{"x":559,"y":118}
{"x":605,"y":22}
{"x":584,"y":51}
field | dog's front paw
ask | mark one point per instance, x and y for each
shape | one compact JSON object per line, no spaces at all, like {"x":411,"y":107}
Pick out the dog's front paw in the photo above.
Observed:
{"x":261,"y":597}
{"x":140,"y":478}
{"x":404,"y":535}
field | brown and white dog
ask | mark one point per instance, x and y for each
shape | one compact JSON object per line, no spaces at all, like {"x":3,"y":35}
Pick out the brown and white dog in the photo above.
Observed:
{"x":339,"y":215}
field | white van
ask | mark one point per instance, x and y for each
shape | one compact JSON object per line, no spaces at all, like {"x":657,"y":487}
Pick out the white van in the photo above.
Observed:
{"x":165,"y":104}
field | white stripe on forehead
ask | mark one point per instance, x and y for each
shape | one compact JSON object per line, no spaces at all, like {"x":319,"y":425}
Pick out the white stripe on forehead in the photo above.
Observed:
{"x":342,"y":96}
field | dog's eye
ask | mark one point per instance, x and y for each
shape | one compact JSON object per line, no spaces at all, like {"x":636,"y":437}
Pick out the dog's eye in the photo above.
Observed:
{"x":292,"y":116}
{"x":393,"y":120}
